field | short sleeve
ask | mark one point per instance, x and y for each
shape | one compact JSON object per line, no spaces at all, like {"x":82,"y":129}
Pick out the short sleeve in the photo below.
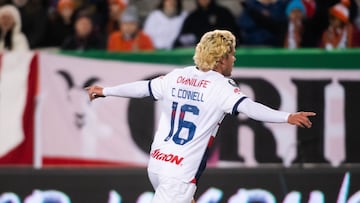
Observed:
{"x":230,"y":96}
{"x":156,"y":87}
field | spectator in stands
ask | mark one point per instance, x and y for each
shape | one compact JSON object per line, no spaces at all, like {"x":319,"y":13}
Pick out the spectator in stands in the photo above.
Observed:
{"x":207,"y":16}
{"x":116,"y":7}
{"x":356,"y":35}
{"x":130,"y":37}
{"x":339,"y":33}
{"x":61,"y":23}
{"x":295,"y":11}
{"x":97,"y":9}
{"x":263,"y":22}
{"x":310,"y":8}
{"x":163,"y":24}
{"x":314,"y":28}
{"x":85,"y":37}
{"x":4,"y":2}
{"x":33,"y":17}
{"x":12,"y":39}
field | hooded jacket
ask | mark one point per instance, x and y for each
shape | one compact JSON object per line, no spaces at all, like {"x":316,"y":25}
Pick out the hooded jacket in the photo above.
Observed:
{"x":18,"y":40}
{"x":202,"y":20}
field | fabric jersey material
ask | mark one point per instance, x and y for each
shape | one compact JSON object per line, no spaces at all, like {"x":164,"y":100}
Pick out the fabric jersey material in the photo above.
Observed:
{"x":193,"y":104}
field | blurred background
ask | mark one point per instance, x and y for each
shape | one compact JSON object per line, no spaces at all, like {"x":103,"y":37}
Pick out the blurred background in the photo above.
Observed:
{"x":292,"y":55}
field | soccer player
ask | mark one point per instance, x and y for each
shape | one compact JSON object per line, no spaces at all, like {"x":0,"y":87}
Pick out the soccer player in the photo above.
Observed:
{"x":194,"y":100}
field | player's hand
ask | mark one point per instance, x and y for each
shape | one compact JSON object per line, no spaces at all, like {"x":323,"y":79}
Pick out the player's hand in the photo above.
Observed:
{"x":301,"y":119}
{"x":94,"y":92}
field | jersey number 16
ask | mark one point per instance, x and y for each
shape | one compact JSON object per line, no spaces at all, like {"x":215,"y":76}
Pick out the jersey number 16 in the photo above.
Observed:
{"x":182,"y":123}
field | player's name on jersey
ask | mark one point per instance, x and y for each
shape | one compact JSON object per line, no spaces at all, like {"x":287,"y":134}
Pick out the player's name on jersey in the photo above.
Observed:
{"x":187,"y":94}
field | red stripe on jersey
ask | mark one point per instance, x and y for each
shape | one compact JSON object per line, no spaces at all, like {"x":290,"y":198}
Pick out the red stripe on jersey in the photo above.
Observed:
{"x":211,"y":140}
{"x":182,"y":115}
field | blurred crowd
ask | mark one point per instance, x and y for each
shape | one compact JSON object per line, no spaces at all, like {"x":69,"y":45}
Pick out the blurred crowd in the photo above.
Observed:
{"x":116,"y":25}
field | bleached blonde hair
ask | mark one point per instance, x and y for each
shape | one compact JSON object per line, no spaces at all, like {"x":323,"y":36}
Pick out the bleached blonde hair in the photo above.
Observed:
{"x":213,"y":46}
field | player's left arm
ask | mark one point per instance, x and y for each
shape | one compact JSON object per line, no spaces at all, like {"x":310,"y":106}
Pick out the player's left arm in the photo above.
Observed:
{"x":264,"y":113}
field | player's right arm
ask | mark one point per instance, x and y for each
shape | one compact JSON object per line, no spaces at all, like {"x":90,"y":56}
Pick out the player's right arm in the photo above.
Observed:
{"x":137,"y":89}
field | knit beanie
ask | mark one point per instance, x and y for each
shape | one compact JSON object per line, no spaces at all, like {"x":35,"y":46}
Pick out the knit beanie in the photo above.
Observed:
{"x":130,"y":14}
{"x":341,"y":10}
{"x":295,"y":4}
{"x":120,"y":3}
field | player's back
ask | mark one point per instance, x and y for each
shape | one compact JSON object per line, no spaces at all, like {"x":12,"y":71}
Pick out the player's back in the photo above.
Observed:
{"x":193,"y":103}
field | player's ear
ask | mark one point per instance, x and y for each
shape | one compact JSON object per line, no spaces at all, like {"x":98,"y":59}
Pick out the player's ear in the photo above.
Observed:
{"x":221,"y":61}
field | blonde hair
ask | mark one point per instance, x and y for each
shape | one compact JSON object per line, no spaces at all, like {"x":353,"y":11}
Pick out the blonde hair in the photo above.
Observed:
{"x":213,"y":46}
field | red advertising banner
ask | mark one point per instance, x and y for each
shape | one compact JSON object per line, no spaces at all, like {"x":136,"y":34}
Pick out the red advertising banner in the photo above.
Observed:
{"x":18,"y":88}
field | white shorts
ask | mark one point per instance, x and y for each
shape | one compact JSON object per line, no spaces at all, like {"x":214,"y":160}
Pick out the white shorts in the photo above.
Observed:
{"x":171,"y":190}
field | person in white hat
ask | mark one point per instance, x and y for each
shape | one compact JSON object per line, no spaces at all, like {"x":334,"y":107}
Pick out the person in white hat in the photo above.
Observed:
{"x":11,"y":37}
{"x":339,"y":33}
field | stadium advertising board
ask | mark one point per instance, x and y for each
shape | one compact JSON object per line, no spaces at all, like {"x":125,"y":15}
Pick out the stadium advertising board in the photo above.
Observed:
{"x":119,"y":131}
{"x":216,"y":186}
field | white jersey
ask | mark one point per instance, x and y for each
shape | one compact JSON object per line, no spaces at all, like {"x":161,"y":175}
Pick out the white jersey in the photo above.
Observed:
{"x":193,"y":104}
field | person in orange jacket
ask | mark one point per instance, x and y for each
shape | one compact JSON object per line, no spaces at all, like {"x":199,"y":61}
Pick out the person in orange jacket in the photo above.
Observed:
{"x":130,"y":37}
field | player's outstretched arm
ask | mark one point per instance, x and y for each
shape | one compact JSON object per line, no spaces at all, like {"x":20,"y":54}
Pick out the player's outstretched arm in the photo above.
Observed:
{"x":138,"y":89}
{"x":301,"y":119}
{"x":263,"y":113}
{"x":94,"y":92}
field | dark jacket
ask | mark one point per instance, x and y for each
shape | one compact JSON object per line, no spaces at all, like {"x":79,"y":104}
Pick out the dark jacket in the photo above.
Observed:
{"x":260,"y":29}
{"x":203,"y":20}
{"x":93,"y":41}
